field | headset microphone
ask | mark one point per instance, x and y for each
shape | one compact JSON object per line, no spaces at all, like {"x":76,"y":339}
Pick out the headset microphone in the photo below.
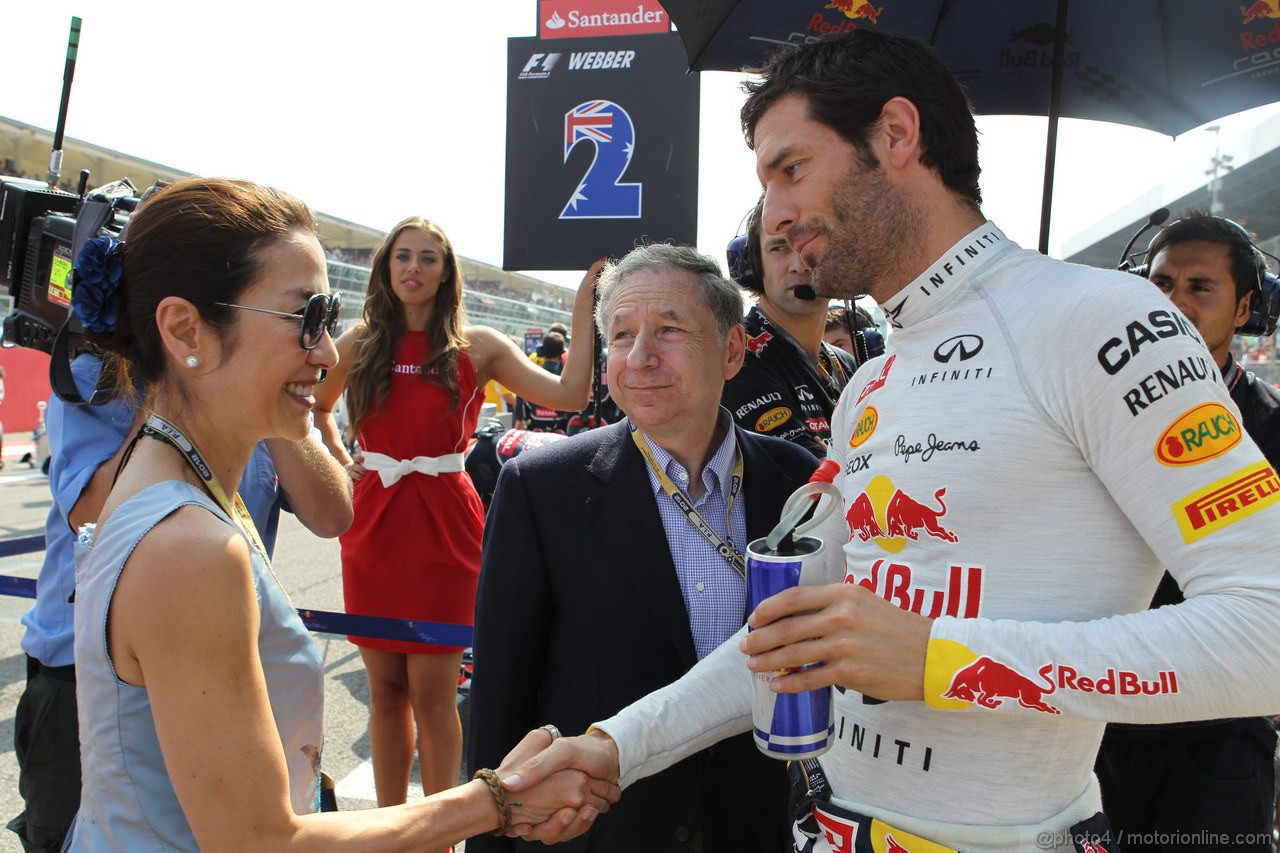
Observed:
{"x":1157,"y":217}
{"x":805,"y":292}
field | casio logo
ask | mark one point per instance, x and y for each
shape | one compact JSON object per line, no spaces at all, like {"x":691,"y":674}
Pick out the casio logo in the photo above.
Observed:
{"x":959,"y":348}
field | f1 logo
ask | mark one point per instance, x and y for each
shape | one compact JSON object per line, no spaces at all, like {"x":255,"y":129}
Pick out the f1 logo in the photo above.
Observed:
{"x":540,"y":62}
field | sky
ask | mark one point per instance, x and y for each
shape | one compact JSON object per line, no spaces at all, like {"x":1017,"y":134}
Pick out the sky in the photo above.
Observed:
{"x":376,"y":110}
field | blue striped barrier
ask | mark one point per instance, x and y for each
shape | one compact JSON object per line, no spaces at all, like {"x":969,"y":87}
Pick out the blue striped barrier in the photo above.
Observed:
{"x":25,"y":545}
{"x":320,"y":621}
{"x":385,"y":628}
{"x":20,"y":587}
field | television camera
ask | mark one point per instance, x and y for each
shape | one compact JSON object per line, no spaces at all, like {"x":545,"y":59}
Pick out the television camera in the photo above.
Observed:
{"x":41,"y":231}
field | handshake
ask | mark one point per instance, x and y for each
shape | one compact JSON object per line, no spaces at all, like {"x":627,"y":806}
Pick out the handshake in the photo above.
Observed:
{"x":555,"y":788}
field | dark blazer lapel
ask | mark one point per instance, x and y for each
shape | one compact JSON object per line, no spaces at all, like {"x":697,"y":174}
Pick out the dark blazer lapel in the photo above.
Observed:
{"x":765,"y":486}
{"x":626,"y":517}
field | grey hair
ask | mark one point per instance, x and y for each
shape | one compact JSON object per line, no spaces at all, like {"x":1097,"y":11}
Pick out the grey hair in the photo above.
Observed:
{"x":717,"y":294}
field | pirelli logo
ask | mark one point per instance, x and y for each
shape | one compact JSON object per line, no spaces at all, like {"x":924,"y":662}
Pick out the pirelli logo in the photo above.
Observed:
{"x":1226,"y":501}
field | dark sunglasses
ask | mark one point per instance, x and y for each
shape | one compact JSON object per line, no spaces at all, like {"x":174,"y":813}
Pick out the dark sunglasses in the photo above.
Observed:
{"x":318,"y":316}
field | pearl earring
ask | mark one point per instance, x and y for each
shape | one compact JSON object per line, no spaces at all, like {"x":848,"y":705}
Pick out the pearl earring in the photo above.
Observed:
{"x":193,"y":361}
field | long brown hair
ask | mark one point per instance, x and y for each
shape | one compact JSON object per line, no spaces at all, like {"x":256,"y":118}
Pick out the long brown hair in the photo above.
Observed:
{"x":369,"y":380}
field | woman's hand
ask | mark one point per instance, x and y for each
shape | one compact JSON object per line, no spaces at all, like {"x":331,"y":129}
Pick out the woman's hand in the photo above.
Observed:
{"x":566,"y":801}
{"x":587,"y":289}
{"x":356,"y":469}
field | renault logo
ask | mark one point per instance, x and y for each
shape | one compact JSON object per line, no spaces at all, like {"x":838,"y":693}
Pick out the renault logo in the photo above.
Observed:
{"x":959,"y":348}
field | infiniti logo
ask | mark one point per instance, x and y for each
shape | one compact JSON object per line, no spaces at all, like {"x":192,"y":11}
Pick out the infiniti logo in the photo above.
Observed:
{"x":961,"y":348}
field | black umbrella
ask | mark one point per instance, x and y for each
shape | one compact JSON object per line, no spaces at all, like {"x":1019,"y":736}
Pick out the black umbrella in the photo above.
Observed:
{"x":1163,"y":65}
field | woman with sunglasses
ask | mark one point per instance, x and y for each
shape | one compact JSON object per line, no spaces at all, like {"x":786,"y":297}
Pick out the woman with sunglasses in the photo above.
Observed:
{"x":414,"y":373}
{"x":200,"y":691}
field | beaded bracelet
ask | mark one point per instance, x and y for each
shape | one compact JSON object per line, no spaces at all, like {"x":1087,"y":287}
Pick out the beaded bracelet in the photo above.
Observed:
{"x":500,"y":795}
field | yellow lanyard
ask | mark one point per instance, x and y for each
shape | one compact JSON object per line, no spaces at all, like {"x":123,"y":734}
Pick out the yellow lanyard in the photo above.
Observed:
{"x":727,"y":550}
{"x":158,"y":427}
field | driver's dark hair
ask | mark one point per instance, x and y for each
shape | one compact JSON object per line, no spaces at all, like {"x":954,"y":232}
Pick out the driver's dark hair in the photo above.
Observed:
{"x":1246,"y":260}
{"x":847,"y":80}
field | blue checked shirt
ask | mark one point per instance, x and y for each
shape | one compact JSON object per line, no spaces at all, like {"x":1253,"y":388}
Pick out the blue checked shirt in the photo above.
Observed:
{"x":715,"y":596}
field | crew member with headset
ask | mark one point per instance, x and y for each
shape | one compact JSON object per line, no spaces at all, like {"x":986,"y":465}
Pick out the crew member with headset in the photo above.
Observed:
{"x":852,"y":329}
{"x":790,"y":379}
{"x":1215,"y":776}
{"x":550,"y":355}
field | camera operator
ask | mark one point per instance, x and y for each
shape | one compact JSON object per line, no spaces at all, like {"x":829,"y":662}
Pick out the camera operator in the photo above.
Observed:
{"x":550,"y":355}
{"x":1215,"y":776}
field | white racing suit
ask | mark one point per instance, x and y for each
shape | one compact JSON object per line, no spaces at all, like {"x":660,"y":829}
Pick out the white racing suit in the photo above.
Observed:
{"x":1038,"y":444}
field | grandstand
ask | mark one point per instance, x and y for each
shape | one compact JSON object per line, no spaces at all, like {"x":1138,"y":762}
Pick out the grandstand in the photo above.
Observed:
{"x":507,"y":301}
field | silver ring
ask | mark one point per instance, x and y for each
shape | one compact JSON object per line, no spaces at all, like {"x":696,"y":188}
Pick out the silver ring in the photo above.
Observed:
{"x":551,"y":730}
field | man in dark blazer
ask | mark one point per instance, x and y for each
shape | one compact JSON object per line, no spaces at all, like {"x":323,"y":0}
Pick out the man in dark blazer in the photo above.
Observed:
{"x":595,"y":588}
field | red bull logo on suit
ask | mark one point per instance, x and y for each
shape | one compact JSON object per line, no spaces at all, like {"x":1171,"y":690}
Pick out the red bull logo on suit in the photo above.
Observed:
{"x":756,"y":345}
{"x":956,"y":677}
{"x":890,"y":516}
{"x":988,"y":682}
{"x":960,"y":596}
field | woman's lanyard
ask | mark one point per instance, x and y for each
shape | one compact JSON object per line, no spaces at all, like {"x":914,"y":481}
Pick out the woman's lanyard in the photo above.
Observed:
{"x":158,"y":427}
{"x":727,"y":550}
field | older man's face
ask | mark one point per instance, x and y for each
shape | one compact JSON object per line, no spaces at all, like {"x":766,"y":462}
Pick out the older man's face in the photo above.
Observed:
{"x":667,"y":364}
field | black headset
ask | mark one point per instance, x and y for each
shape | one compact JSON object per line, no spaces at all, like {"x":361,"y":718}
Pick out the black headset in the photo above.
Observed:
{"x":1264,"y":308}
{"x":741,"y":254}
{"x":742,"y":267}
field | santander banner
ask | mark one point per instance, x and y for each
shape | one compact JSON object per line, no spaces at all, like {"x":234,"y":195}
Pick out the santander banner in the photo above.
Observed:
{"x":566,"y":19}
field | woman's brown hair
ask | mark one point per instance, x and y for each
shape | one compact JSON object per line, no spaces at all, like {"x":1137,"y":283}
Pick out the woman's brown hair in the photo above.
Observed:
{"x":199,"y":239}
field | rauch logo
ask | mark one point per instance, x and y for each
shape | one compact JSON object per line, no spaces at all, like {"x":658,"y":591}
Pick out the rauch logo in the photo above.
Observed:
{"x":1203,"y":433}
{"x":866,"y":425}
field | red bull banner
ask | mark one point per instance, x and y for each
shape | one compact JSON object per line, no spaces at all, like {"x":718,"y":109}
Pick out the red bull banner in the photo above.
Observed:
{"x":602,"y":148}
{"x":1256,"y":12}
{"x":1167,"y":67}
{"x":569,"y":19}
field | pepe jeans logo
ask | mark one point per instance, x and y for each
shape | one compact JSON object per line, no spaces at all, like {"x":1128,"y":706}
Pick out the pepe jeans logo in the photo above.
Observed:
{"x":960,"y":347}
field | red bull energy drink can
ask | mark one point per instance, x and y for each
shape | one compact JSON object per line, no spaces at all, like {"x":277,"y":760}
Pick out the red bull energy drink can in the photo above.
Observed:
{"x":789,"y":726}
